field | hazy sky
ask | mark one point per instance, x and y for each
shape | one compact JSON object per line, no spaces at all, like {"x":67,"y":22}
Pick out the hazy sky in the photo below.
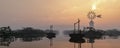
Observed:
{"x":61,"y":13}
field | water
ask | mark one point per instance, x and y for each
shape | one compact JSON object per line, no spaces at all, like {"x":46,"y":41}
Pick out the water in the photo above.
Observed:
{"x":58,"y":42}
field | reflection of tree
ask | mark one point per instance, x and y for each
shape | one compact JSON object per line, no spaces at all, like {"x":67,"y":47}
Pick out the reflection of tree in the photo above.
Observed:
{"x":6,"y":40}
{"x":77,"y":38}
{"x":6,"y":36}
{"x":91,"y":35}
{"x":91,"y":40}
{"x":50,"y":35}
{"x":29,"y":39}
{"x":30,"y":34}
{"x":114,"y":33}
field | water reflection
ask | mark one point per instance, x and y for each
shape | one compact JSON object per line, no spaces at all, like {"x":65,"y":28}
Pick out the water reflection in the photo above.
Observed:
{"x":87,"y":37}
{"x":29,"y":35}
{"x":79,"y":36}
{"x":91,"y":35}
{"x":30,"y":39}
{"x":51,"y":35}
{"x":25,"y":35}
{"x":6,"y":40}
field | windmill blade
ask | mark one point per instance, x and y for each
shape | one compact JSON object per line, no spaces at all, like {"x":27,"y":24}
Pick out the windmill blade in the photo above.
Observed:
{"x":99,"y":16}
{"x":78,"y":20}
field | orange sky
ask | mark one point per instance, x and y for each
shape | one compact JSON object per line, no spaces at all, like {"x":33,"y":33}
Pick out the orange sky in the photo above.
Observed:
{"x":61,"y":13}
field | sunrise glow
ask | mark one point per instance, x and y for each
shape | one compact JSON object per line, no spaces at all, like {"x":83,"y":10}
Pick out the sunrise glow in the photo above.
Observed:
{"x":94,"y":7}
{"x":59,"y":23}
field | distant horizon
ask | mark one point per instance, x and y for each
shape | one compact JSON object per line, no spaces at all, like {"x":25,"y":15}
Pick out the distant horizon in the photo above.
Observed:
{"x":57,"y":28}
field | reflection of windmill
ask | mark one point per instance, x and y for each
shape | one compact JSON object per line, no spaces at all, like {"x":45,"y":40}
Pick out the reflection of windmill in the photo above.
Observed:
{"x":91,"y":35}
{"x":50,"y":36}
{"x":91,"y":40}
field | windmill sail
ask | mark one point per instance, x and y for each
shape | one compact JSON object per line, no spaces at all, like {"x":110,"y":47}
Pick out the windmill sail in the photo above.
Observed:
{"x":99,"y":16}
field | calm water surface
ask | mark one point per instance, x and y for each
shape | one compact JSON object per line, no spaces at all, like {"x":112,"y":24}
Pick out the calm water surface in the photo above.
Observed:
{"x":58,"y":42}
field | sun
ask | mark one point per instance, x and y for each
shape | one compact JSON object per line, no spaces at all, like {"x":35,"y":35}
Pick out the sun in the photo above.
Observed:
{"x":94,"y":7}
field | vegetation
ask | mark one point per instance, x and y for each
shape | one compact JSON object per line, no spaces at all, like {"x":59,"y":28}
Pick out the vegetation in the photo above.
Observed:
{"x":113,"y":32}
{"x":29,"y":32}
{"x":110,"y":33}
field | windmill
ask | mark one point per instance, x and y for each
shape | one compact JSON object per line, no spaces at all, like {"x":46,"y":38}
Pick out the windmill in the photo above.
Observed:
{"x":92,"y":15}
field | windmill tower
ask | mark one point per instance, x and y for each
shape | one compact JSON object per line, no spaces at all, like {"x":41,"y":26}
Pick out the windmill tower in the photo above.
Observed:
{"x":91,"y":15}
